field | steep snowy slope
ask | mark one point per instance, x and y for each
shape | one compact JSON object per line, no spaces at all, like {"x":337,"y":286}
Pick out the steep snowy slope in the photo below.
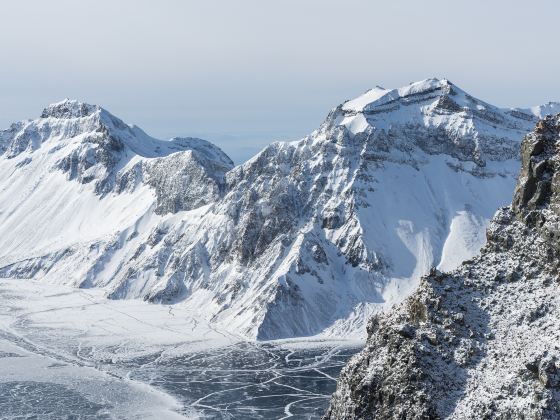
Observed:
{"x":74,"y":179}
{"x":306,"y":237}
{"x":483,"y":341}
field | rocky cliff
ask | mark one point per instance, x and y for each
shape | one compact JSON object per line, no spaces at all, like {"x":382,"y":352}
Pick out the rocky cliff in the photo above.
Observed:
{"x":482,"y":341}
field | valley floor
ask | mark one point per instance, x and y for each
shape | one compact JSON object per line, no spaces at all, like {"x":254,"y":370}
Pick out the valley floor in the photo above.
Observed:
{"x":70,"y":351}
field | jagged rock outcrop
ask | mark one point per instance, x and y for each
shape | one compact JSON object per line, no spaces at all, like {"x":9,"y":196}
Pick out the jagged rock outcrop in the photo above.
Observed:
{"x":480,"y":342}
{"x":307,"y":237}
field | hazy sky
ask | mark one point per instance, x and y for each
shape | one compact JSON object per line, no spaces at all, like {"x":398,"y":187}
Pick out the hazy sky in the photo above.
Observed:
{"x":245,"y":72}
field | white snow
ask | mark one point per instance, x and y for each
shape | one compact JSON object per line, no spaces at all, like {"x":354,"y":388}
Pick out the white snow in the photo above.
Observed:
{"x":48,"y":327}
{"x":466,"y":237}
{"x":361,"y":101}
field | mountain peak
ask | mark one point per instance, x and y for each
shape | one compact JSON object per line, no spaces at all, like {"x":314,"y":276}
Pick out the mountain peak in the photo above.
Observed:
{"x":380,"y":96}
{"x":69,"y":108}
{"x":436,"y":116}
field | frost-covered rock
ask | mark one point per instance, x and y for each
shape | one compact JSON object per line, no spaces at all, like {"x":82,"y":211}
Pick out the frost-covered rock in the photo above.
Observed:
{"x":307,"y":237}
{"x":483,"y":340}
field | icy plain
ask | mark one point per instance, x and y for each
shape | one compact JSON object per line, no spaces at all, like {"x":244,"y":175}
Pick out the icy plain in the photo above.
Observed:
{"x":69,"y":352}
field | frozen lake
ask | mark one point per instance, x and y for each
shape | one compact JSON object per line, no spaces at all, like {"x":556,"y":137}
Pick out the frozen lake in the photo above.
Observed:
{"x":68,"y":353}
{"x":246,"y":381}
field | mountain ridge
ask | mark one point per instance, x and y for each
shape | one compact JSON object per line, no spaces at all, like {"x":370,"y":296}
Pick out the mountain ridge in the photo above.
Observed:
{"x":306,"y":237}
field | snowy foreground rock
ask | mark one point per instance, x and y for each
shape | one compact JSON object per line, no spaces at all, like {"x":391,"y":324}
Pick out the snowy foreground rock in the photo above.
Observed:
{"x":305,"y":238}
{"x":482,"y":341}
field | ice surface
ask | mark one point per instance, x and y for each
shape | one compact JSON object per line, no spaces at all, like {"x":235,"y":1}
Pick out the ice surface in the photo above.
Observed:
{"x":66,"y":351}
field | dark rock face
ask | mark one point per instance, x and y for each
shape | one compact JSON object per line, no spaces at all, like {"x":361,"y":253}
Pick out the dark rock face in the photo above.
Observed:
{"x":539,"y":178}
{"x":94,"y":161}
{"x":482,"y":341}
{"x":69,"y":109}
{"x":185,"y":181}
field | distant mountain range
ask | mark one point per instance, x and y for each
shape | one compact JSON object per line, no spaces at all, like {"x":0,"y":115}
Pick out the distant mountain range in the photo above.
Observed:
{"x":307,"y":237}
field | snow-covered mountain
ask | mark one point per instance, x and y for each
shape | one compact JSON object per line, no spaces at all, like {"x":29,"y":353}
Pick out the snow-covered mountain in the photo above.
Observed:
{"x":306,"y":237}
{"x":483,"y":340}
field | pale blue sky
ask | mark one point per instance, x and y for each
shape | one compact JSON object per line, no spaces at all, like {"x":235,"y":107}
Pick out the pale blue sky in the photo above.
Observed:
{"x":243,"y":73}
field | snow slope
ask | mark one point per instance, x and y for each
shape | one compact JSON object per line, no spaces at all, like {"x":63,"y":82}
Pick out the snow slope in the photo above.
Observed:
{"x":307,"y":237}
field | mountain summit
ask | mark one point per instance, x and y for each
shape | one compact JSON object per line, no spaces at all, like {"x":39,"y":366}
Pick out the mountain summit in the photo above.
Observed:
{"x":306,"y":237}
